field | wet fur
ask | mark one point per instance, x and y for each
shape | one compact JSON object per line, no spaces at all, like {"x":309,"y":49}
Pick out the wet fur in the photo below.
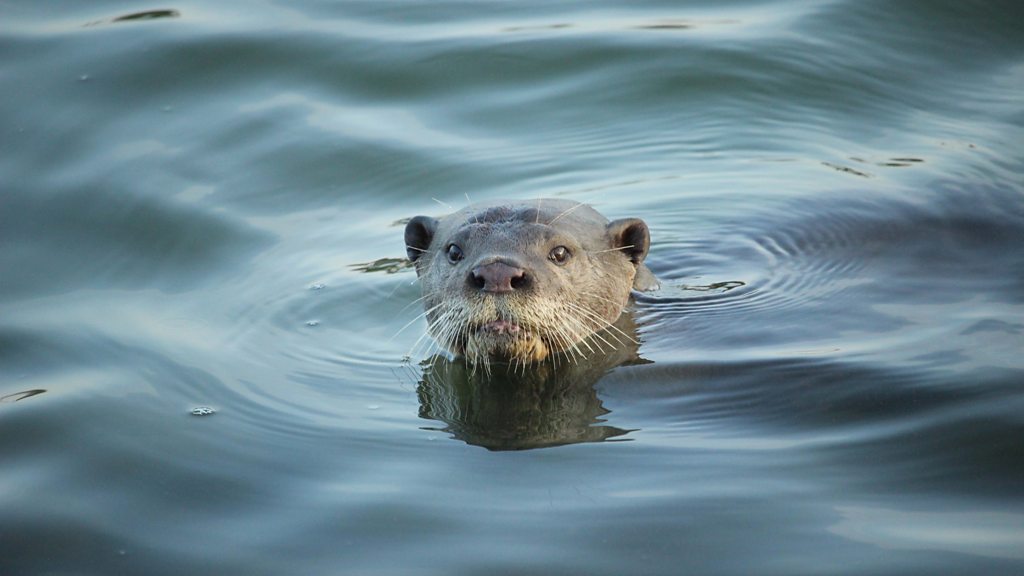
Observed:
{"x":566,"y":311}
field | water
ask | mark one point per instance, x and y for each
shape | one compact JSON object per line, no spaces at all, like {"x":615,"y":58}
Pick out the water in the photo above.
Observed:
{"x":201,"y":206}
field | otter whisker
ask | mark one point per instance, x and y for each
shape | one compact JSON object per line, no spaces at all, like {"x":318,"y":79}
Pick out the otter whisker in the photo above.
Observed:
{"x":564,"y":212}
{"x":421,"y":348}
{"x":591,"y":341}
{"x":611,"y":325}
{"x":576,"y":327}
{"x":573,"y":353}
{"x":580,"y":338}
{"x":599,"y":333}
{"x":413,"y":321}
{"x":476,"y":217}
{"x":601,"y":342}
{"x":445,"y":204}
{"x":610,"y":249}
{"x":597,"y":325}
{"x":615,"y":303}
{"x":392,"y":293}
{"x":424,"y":338}
{"x":575,"y":335}
{"x":450,"y":328}
{"x":444,"y":325}
{"x":415,"y":346}
{"x":410,"y":304}
{"x":570,"y":341}
{"x":558,"y":338}
{"x":599,"y":322}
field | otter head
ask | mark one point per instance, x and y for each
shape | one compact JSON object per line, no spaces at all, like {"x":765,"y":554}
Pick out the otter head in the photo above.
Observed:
{"x":520,"y":282}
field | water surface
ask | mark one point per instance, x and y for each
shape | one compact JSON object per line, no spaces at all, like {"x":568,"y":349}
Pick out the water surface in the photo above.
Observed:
{"x":201,"y":206}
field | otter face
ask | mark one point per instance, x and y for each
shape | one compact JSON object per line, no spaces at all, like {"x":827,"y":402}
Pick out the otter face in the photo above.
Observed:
{"x":521,"y":282}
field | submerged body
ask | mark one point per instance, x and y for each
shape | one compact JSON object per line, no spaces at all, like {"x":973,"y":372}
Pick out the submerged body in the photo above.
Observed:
{"x":522,"y":281}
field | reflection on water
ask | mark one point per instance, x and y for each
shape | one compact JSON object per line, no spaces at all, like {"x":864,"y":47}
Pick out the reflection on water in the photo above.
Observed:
{"x":552,"y":403}
{"x":20,"y":395}
{"x":539,"y":407}
{"x":138,"y":16}
{"x":388,"y":265}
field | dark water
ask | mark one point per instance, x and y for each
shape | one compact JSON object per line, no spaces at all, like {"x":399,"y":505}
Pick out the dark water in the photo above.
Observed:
{"x":831,"y":380}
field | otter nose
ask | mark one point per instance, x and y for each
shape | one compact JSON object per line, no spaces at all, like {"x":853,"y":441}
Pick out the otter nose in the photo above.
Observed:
{"x":498,"y":277}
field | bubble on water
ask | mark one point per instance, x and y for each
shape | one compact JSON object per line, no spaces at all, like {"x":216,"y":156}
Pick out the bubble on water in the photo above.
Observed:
{"x":84,"y":78}
{"x":373,"y":407}
{"x":203,"y":411}
{"x":313,"y":323}
{"x":317,"y":286}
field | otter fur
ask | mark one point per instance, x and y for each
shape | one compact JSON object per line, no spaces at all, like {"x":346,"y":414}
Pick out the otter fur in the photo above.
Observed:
{"x":521,"y":282}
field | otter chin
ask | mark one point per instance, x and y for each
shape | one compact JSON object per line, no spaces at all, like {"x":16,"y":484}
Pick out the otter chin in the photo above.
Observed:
{"x":525,"y":281}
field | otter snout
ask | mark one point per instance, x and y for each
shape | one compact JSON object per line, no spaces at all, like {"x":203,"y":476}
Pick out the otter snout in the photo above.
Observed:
{"x":498,"y":277}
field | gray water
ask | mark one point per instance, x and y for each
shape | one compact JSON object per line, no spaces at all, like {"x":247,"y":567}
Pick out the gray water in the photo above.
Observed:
{"x":201,"y":206}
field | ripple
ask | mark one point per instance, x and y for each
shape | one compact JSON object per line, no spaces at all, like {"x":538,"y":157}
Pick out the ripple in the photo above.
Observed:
{"x":787,"y":262}
{"x":107,"y":237}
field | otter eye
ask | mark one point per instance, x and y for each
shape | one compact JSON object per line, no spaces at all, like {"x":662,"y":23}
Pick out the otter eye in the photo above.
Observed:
{"x":454,"y":253}
{"x":559,"y":255}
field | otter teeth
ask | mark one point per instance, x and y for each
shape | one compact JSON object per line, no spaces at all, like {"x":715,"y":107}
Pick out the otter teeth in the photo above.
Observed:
{"x":501,"y":327}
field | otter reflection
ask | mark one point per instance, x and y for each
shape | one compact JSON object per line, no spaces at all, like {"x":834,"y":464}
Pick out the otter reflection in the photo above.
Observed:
{"x":550,"y":403}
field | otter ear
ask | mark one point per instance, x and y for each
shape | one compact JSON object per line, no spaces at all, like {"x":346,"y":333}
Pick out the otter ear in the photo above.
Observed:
{"x":632,"y":236}
{"x":418,"y":234}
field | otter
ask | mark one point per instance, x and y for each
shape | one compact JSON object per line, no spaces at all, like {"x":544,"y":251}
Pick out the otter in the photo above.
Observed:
{"x":520,"y":282}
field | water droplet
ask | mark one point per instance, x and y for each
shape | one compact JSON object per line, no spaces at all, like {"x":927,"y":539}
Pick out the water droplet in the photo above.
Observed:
{"x":203,"y":411}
